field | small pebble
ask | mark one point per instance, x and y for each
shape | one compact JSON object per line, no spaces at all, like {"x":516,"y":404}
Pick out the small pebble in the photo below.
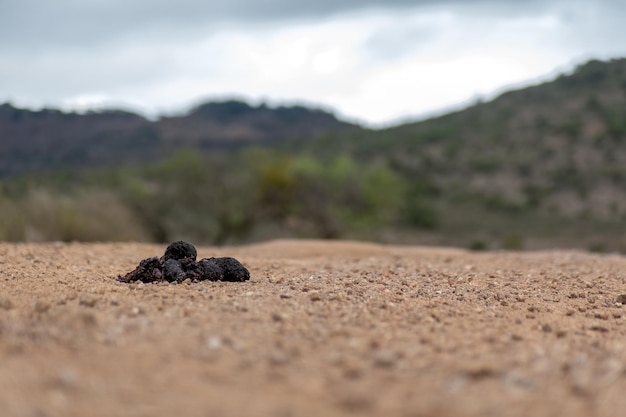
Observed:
{"x":384,"y":358}
{"x":87,"y":300}
{"x":214,"y":342}
{"x":6,"y":304}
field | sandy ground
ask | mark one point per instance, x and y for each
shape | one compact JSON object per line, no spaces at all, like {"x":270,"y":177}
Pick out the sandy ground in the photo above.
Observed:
{"x":321,"y":329}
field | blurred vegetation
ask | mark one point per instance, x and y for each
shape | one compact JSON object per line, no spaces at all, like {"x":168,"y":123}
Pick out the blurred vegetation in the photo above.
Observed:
{"x":539,"y":167}
{"x":220,"y":198}
{"x":40,"y":214}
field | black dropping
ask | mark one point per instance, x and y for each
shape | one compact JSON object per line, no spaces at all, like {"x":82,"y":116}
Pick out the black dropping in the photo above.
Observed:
{"x":233,"y":269}
{"x":211,"y":270}
{"x":173,"y":271}
{"x":180,"y":250}
{"x":179,"y":263}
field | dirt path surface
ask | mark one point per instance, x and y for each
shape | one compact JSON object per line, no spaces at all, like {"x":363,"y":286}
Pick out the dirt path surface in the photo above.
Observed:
{"x":321,"y":329}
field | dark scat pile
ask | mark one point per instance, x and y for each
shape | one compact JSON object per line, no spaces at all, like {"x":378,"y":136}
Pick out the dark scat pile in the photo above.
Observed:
{"x":179,"y":263}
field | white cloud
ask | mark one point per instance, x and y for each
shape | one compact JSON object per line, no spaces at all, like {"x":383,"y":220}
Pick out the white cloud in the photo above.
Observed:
{"x":378,"y":66}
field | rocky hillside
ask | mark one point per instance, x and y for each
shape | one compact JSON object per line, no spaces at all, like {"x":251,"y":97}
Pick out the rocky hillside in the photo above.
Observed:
{"x":48,"y":139}
{"x":233,"y":122}
{"x":542,"y":166}
{"x":38,"y":140}
{"x":559,"y":146}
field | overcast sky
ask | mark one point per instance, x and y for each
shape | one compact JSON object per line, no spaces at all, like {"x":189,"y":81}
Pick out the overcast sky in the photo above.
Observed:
{"x":374,"y":61}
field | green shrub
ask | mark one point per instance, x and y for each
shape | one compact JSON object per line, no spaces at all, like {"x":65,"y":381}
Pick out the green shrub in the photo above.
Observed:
{"x":513,"y":242}
{"x":478,"y":245}
{"x":44,"y":215}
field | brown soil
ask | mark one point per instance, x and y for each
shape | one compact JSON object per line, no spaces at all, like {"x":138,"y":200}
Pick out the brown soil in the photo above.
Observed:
{"x":321,"y":329}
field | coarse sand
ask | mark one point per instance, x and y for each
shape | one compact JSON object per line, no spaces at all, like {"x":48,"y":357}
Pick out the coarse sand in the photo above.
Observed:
{"x":321,"y":329}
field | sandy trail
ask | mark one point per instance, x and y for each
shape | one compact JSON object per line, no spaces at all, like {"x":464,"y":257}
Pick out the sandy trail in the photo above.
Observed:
{"x":321,"y":329}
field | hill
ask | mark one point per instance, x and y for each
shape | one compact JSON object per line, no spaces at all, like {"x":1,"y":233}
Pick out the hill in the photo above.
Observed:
{"x":559,"y":145}
{"x":555,"y":150}
{"x":49,"y":138}
{"x":233,"y":122}
{"x":38,"y":140}
{"x":536,"y":167}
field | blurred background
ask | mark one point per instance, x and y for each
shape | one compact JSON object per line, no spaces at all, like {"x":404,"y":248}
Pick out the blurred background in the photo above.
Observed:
{"x":480,"y":124}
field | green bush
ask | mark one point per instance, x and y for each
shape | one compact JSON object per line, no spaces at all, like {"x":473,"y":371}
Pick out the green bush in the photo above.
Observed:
{"x":341,"y":195}
{"x":513,"y":242}
{"x":478,"y":245}
{"x":45,"y":215}
{"x":194,"y":196}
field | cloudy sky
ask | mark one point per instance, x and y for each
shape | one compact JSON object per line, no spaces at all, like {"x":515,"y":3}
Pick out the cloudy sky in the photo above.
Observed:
{"x":374,"y":61}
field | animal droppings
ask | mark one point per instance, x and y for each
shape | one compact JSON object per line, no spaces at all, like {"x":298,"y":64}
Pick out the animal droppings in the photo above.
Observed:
{"x":180,"y":249}
{"x":179,"y":264}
